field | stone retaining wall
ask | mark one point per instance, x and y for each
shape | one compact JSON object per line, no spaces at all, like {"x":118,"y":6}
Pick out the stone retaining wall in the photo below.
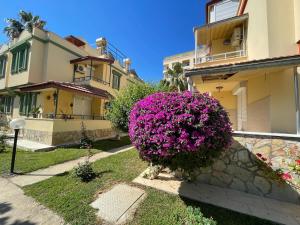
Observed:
{"x":238,"y":168}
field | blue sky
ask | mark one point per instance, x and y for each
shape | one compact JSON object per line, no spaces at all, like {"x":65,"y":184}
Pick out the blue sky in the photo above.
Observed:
{"x":144,"y":30}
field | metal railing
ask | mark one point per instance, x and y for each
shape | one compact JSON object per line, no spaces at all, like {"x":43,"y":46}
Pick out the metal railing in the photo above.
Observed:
{"x":88,"y":78}
{"x":221,"y":56}
{"x":65,"y":116}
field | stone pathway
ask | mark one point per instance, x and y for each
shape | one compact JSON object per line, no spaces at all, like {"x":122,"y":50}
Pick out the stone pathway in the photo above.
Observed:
{"x":253,"y":205}
{"x":119,"y":204}
{"x":17,"y":208}
{"x":43,"y":174}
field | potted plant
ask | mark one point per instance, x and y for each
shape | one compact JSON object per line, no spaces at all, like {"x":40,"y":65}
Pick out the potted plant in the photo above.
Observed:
{"x":35,"y":112}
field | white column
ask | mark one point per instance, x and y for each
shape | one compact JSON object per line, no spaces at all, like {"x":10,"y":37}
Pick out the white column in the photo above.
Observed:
{"x":190,"y":84}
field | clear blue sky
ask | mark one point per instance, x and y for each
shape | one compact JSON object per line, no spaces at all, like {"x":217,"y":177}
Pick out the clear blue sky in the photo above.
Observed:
{"x":144,"y":30}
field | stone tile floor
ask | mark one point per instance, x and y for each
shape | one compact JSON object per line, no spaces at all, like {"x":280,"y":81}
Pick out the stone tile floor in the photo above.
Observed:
{"x":118,"y":204}
{"x":253,"y":205}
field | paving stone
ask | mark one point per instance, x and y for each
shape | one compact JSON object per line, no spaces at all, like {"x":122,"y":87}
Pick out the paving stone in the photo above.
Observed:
{"x":116,"y":204}
{"x":253,"y":205}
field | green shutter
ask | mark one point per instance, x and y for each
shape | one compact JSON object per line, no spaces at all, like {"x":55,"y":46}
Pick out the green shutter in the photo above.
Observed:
{"x":20,"y":58}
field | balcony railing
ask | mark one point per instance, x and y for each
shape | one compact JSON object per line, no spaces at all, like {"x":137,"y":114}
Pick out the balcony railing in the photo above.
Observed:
{"x":222,"y":56}
{"x":65,"y":116}
{"x":88,"y":78}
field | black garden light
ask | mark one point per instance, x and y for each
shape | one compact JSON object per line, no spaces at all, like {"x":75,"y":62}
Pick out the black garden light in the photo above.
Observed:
{"x":16,"y":125}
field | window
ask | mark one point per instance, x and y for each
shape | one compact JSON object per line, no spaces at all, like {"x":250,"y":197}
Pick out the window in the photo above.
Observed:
{"x":186,"y":63}
{"x":6,"y":104}
{"x":27,"y":103}
{"x":19,"y":58}
{"x":116,"y":80}
{"x":2,"y":66}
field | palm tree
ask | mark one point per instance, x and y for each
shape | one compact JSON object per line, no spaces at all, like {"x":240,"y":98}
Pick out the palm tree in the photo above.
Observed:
{"x":14,"y":28}
{"x":175,"y":79}
{"x":26,"y":22}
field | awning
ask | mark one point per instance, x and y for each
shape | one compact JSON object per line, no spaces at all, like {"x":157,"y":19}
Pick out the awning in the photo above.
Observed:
{"x":232,"y":68}
{"x":218,"y":30}
{"x":91,"y":60}
{"x":82,"y":89}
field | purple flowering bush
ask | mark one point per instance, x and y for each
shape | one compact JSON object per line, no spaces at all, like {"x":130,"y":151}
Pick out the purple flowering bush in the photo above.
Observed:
{"x":179,"y":130}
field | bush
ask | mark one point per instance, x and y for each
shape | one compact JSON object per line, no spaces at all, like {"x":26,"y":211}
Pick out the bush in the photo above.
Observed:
{"x":85,"y":142}
{"x":179,"y":130}
{"x":120,"y":107}
{"x":85,"y":171}
{"x":195,"y":217}
{"x":2,"y":143}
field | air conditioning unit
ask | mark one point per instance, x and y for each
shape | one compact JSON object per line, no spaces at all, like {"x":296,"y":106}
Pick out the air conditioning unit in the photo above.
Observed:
{"x":80,"y":69}
{"x":236,"y":37}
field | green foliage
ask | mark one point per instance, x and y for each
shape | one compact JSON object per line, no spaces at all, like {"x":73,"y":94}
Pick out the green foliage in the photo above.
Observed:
{"x":2,"y":143}
{"x":120,"y":107}
{"x":85,"y":171}
{"x":85,"y":142}
{"x":175,"y":79}
{"x":26,"y":21}
{"x":194,"y":216}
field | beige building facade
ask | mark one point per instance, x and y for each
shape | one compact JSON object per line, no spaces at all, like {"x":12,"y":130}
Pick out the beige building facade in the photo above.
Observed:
{"x":249,"y":62}
{"x":57,"y":83}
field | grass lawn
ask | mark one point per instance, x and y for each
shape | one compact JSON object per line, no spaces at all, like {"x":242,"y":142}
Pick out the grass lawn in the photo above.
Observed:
{"x":27,"y":161}
{"x":70,"y":197}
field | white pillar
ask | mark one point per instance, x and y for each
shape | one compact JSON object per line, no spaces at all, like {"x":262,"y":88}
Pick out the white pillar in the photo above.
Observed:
{"x":190,"y":84}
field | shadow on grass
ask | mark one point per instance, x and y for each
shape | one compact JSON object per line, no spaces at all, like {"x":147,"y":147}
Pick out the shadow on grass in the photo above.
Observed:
{"x":225,"y":216}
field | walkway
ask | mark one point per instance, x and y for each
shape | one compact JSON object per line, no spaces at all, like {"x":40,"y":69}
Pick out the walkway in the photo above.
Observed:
{"x":253,"y":205}
{"x":17,"y":208}
{"x":43,"y":174}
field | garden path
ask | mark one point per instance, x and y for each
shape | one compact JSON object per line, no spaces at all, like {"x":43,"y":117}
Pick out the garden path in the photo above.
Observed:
{"x":43,"y":174}
{"x":17,"y":208}
{"x":253,"y":205}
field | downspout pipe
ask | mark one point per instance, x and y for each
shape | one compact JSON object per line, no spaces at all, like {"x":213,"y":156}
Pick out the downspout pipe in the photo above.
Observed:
{"x":297,"y":106}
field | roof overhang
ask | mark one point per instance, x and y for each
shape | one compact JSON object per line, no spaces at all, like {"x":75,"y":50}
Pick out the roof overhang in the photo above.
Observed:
{"x":91,"y":59}
{"x":286,"y":61}
{"x":219,"y":29}
{"x":74,"y":40}
{"x":81,"y":89}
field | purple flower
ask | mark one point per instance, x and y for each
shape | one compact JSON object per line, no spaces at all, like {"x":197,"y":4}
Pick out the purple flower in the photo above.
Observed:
{"x":163,"y":125}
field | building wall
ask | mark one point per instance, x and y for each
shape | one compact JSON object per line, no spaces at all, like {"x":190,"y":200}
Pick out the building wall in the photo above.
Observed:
{"x":229,"y":102}
{"x":281,"y":28}
{"x":258,"y":48}
{"x":283,"y":112}
{"x":297,"y":19}
{"x":58,"y":132}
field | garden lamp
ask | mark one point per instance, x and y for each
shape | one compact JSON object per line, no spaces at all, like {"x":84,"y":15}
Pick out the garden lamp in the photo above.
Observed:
{"x":16,"y":125}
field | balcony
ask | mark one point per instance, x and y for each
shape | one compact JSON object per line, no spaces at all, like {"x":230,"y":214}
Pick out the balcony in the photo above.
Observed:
{"x":228,"y":56}
{"x":221,"y":42}
{"x":88,"y":78}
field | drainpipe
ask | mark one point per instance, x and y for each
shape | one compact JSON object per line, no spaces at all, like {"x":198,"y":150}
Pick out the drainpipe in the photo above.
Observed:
{"x":296,"y":92}
{"x":56,"y":103}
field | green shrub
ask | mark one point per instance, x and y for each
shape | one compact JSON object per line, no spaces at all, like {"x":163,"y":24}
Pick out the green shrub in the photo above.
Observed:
{"x":85,"y":142}
{"x":85,"y":171}
{"x":2,"y":143}
{"x":120,"y":107}
{"x":193,"y":216}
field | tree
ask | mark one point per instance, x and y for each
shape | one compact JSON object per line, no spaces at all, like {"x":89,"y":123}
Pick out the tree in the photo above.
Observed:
{"x":26,"y":22}
{"x":120,"y":107}
{"x":176,"y":79}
